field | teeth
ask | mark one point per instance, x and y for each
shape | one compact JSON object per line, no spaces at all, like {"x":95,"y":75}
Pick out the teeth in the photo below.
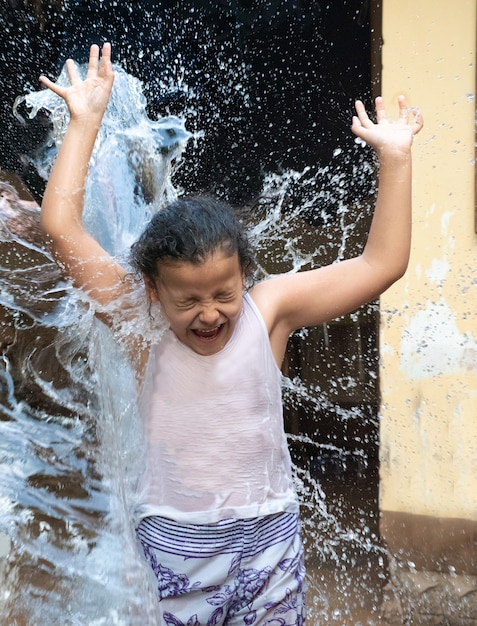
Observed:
{"x":207,"y":333}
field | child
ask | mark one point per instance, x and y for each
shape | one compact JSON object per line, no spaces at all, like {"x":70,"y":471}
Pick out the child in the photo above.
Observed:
{"x":218,"y":514}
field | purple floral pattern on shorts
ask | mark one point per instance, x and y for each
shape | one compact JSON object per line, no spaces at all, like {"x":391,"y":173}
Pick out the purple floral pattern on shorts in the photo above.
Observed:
{"x":290,"y":602}
{"x":169,"y":583}
{"x":250,"y":584}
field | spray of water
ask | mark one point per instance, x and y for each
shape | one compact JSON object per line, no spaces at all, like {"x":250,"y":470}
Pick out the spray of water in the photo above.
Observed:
{"x":70,"y":445}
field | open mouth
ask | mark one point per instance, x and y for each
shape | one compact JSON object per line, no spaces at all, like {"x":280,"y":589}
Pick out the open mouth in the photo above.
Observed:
{"x":208,"y":334}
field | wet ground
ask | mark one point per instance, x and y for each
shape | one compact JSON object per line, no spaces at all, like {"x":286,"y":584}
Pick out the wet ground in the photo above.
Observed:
{"x":348,"y":590}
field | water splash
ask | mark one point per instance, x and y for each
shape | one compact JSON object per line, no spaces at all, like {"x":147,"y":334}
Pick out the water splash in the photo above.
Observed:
{"x":70,"y":449}
{"x":130,"y":148}
{"x":70,"y":446}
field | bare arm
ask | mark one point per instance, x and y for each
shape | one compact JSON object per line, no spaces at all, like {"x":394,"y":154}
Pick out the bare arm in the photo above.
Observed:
{"x":80,"y":256}
{"x":309,"y":298}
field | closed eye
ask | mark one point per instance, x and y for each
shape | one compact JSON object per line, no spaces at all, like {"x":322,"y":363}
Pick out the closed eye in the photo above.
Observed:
{"x":225,"y":297}
{"x":186,"y":304}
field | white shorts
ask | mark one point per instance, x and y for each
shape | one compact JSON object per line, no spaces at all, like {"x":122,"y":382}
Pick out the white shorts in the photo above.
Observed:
{"x":248,"y":572}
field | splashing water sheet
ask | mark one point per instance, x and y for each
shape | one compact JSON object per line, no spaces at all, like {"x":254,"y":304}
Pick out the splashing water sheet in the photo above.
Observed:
{"x":70,"y":442}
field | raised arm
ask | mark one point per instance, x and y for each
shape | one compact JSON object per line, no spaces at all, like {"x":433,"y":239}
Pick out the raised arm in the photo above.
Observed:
{"x":389,"y":240}
{"x":80,"y":256}
{"x":291,"y":301}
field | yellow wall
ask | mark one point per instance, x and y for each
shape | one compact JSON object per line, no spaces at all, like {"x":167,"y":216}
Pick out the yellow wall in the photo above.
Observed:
{"x":429,"y":319}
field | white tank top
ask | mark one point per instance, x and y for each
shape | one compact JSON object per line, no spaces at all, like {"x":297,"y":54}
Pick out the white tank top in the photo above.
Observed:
{"x":216,"y":446}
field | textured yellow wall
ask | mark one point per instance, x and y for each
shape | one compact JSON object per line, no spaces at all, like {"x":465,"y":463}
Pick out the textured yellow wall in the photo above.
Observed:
{"x":429,"y":318}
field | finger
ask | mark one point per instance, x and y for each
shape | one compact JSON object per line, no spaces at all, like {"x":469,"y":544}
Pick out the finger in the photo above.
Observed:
{"x":403,"y":109}
{"x":72,"y":73}
{"x":418,"y":120}
{"x":358,"y":128}
{"x":362,"y":117}
{"x":44,"y":80}
{"x":380,"y":110}
{"x":105,"y":65}
{"x":93,"y":62}
{"x":106,"y":51}
{"x":359,"y":106}
{"x":356,"y":125}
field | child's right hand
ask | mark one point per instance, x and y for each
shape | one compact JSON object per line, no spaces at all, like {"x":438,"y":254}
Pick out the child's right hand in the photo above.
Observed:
{"x":87,"y":99}
{"x":385,"y":136}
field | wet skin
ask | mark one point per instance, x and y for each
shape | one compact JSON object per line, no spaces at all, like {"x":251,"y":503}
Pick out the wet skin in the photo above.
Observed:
{"x":203,"y":302}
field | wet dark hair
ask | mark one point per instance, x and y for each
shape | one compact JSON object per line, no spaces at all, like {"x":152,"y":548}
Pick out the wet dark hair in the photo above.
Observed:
{"x":189,"y":230}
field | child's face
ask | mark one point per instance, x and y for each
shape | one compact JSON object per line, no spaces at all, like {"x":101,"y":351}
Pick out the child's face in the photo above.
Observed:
{"x":201,"y":302}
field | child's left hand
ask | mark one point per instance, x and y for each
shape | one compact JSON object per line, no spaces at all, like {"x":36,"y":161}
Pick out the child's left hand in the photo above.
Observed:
{"x":386,"y":136}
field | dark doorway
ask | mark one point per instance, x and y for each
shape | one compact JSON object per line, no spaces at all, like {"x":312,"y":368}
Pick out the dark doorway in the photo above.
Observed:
{"x":270,"y":84}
